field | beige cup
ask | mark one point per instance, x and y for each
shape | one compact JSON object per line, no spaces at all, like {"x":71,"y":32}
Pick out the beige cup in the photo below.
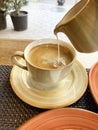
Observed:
{"x":44,"y":78}
{"x":80,"y":24}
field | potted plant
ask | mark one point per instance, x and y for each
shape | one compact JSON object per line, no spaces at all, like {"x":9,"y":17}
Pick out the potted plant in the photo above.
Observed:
{"x":19,"y":17}
{"x":61,"y":2}
{"x":4,"y":9}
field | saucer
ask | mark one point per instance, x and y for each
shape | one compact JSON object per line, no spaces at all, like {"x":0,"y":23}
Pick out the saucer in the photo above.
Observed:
{"x":63,"y":119}
{"x":66,"y":93}
{"x":93,"y":81}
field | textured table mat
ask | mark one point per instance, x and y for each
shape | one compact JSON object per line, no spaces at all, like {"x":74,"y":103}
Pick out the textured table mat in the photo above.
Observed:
{"x":14,"y":112}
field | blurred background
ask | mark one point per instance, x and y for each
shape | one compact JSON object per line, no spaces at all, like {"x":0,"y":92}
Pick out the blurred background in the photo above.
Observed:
{"x":43,"y":15}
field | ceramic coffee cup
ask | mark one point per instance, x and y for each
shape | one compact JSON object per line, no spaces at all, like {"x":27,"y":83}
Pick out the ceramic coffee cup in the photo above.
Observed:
{"x":41,"y":58}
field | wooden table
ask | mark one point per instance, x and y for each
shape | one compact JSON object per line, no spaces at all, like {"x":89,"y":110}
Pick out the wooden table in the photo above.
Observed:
{"x":8,"y":47}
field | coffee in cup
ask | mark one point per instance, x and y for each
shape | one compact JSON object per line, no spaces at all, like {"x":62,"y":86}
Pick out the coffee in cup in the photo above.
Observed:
{"x":44,"y":56}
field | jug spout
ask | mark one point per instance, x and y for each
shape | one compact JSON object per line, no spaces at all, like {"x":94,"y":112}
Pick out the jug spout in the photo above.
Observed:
{"x":59,"y":29}
{"x":80,"y":25}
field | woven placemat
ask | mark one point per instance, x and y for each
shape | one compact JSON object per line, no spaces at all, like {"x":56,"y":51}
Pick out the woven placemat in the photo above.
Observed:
{"x":14,"y":112}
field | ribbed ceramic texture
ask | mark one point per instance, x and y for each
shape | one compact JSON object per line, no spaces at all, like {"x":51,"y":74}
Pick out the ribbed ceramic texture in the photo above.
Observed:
{"x":14,"y":112}
{"x":80,"y":24}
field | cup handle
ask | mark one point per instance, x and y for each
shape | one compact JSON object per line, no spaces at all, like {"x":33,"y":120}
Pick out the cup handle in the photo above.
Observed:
{"x":14,"y":59}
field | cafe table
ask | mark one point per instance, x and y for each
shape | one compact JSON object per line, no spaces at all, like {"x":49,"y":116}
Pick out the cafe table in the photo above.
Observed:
{"x":13,"y":111}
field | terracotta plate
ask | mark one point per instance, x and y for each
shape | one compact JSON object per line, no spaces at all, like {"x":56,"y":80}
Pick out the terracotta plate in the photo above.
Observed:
{"x":93,"y":81}
{"x":63,"y":119}
{"x":67,"y":91}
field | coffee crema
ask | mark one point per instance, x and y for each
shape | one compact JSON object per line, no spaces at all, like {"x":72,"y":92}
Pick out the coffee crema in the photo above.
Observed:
{"x":45,"y":55}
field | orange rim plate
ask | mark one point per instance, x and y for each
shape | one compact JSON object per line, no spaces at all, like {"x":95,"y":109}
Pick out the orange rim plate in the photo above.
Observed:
{"x":93,"y":81}
{"x":63,"y":119}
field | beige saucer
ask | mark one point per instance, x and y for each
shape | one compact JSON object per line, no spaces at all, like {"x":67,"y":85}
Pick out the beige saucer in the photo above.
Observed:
{"x":66,"y":93}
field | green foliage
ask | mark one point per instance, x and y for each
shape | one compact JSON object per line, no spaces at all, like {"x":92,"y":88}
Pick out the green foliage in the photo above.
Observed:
{"x":16,"y":5}
{"x":8,"y":5}
{"x":5,"y":6}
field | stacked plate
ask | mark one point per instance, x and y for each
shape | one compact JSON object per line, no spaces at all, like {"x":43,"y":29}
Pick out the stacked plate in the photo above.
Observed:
{"x":63,"y":119}
{"x":93,"y":81}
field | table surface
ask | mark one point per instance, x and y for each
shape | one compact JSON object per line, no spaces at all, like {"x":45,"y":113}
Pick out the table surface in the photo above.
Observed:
{"x":8,"y":47}
{"x":42,"y":19}
{"x":14,"y":112}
